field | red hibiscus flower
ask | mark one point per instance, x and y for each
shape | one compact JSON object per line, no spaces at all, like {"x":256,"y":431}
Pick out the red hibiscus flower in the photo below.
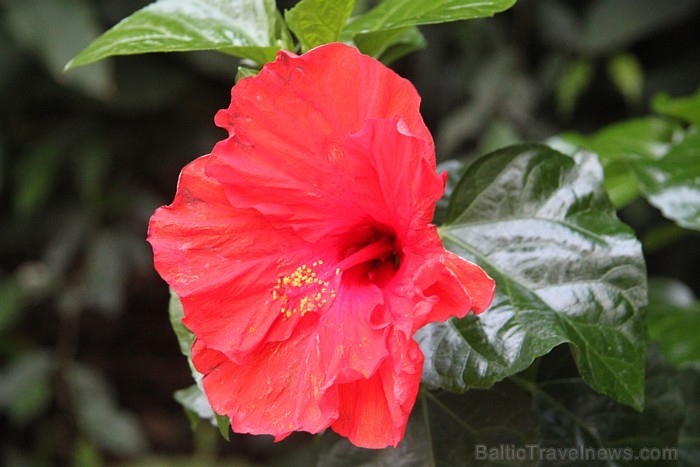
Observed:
{"x":303,"y":253}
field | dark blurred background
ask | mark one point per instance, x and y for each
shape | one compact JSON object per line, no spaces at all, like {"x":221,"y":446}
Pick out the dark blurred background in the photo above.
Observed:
{"x":89,"y":362}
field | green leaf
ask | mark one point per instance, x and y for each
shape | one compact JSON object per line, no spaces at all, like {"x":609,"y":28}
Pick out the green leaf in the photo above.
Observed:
{"x":98,"y":415}
{"x":663,"y":159}
{"x":446,"y":429}
{"x":245,"y":72}
{"x":499,"y":134}
{"x":195,"y":403}
{"x":184,"y":336}
{"x":454,"y":169}
{"x":25,"y":386}
{"x":672,"y":183}
{"x":106,"y":271}
{"x":246,"y":28}
{"x":36,"y":173}
{"x":572,"y":84}
{"x":223,"y":423}
{"x":627,"y":75}
{"x":11,"y":302}
{"x":317,"y":22}
{"x":86,"y":454}
{"x":684,"y":108}
{"x":573,"y":416}
{"x":618,"y":146}
{"x":392,"y":14}
{"x":635,"y":139}
{"x":390,"y":44}
{"x":197,"y":407}
{"x":193,"y":398}
{"x":614,"y":24}
{"x":673,"y":320}
{"x":689,"y":436}
{"x":542,"y":416}
{"x":566,"y":270}
{"x":54,"y":30}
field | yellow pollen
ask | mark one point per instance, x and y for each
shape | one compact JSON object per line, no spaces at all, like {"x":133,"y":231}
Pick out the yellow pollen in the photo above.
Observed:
{"x":252,"y":329}
{"x":303,"y":290}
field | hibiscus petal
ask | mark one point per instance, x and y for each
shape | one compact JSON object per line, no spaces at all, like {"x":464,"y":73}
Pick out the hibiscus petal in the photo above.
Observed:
{"x":472,"y":280}
{"x":222,"y":262}
{"x":288,"y":126}
{"x":448,"y":286}
{"x":374,"y":412}
{"x":352,"y":345}
{"x":380,"y":156}
{"x":276,"y":390}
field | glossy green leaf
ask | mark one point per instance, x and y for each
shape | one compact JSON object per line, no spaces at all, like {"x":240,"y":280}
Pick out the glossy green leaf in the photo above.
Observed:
{"x":621,"y":184}
{"x":390,"y":44}
{"x":684,"y":108}
{"x":317,"y":22}
{"x":391,"y":14}
{"x":636,"y":139}
{"x":663,"y":159}
{"x":447,"y":429}
{"x":673,"y":320}
{"x":620,"y":145}
{"x":408,"y":42}
{"x":573,"y":416}
{"x":246,"y":28}
{"x":672,"y":183}
{"x":544,"y":416}
{"x":566,"y":271}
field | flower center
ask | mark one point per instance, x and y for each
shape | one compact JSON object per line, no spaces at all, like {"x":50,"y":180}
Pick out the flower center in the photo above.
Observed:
{"x":379,"y":250}
{"x":377,"y":259}
{"x":306,"y":289}
{"x":312,"y":287}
